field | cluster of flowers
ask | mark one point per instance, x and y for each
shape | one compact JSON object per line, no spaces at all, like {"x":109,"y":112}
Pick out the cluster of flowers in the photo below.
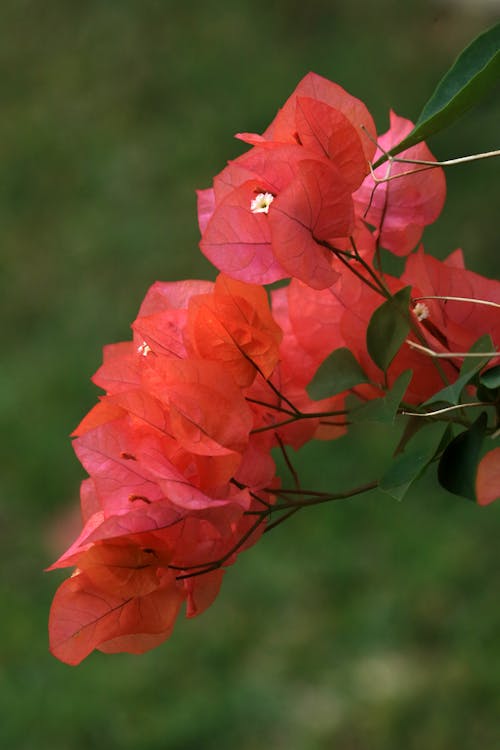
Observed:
{"x":178,"y":450}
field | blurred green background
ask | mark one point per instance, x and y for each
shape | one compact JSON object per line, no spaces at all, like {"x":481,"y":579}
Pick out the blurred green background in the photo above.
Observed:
{"x":369,"y":625}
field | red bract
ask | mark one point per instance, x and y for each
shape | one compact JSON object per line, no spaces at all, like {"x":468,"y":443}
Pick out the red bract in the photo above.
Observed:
{"x":274,"y":210}
{"x":234,"y":326}
{"x":84,"y":617}
{"x":360,"y":303}
{"x":454,"y":325}
{"x":339,"y":317}
{"x":314,"y":208}
{"x":488,"y":478}
{"x":126,"y":592}
{"x":400,"y":207}
{"x":198,"y":395}
{"x":284,"y":126}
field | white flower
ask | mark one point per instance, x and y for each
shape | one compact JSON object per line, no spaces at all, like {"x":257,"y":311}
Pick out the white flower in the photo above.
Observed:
{"x":144,"y":349}
{"x":261,"y":203}
{"x":421,"y":311}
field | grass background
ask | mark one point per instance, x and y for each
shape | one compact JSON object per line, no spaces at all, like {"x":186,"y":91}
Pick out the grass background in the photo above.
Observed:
{"x":366,"y":626}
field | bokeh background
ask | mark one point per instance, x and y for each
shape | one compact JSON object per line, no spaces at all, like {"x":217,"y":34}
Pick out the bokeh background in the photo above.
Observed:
{"x":367,"y":625}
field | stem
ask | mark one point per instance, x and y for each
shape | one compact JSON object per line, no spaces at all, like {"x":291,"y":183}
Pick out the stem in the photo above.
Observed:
{"x":380,"y":289}
{"x":278,"y":521}
{"x":209,"y":567}
{"x":325,"y":498}
{"x":269,"y":406}
{"x":302,"y":415}
{"x":458,"y":299}
{"x":288,"y":462}
{"x":281,"y":396}
{"x":448,"y":355}
{"x":290,"y":505}
{"x":369,"y":270}
{"x":445,"y":410}
{"x":387,"y":156}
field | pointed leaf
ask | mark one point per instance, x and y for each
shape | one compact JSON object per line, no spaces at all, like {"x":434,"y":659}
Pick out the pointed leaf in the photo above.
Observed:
{"x":383,"y":409}
{"x":474,"y":73}
{"x":491,"y":378}
{"x":470,"y":367}
{"x":412,"y":462}
{"x":388,"y":328}
{"x":339,"y":372}
{"x":458,"y":466}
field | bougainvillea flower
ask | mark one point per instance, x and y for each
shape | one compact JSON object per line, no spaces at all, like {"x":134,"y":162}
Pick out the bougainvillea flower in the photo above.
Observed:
{"x":400,"y":207}
{"x":178,"y":449}
{"x":238,"y":241}
{"x":126,"y":593}
{"x":160,"y":324}
{"x":311,"y":203}
{"x":173,"y":467}
{"x":274,"y":210}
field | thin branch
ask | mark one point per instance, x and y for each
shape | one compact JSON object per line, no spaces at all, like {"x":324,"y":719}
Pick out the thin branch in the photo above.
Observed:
{"x":444,"y":410}
{"x":446,"y":298}
{"x":448,"y":355}
{"x":425,"y":164}
{"x":288,"y":462}
{"x":326,"y":498}
{"x":368,"y":269}
{"x":303,"y":415}
{"x":209,"y":567}
{"x":260,"y":500}
{"x":448,"y":162}
{"x":312,"y":493}
{"x":290,"y":505}
{"x":280,"y":395}
{"x":275,"y":425}
{"x":269,"y":406}
{"x":340,"y":255}
{"x":278,"y":521}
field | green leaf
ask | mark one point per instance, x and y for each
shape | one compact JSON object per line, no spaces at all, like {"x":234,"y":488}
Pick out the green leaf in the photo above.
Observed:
{"x":475,"y":72}
{"x":458,"y":465}
{"x":339,"y":372}
{"x":388,"y":328}
{"x":383,"y":409}
{"x":410,"y":464}
{"x":491,"y":378}
{"x":413,"y":425}
{"x":470,"y":367}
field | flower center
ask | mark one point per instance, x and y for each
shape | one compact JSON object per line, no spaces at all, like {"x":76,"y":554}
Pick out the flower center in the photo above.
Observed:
{"x":261,"y":203}
{"x":143,"y":349}
{"x":421,"y":311}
